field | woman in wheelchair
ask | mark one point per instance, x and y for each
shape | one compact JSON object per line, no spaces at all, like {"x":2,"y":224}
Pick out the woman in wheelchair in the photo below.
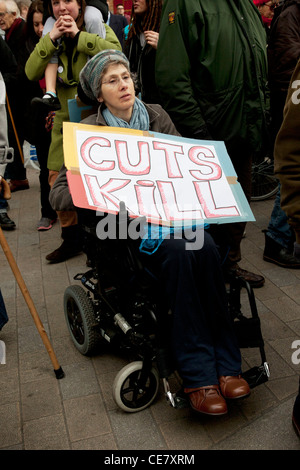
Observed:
{"x":203,"y":341}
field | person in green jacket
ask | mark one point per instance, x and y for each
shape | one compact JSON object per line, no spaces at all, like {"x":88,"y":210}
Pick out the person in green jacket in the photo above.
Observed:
{"x":76,"y":46}
{"x":213,"y":53}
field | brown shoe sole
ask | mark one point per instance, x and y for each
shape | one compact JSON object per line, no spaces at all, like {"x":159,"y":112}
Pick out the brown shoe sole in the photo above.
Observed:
{"x":208,"y":414}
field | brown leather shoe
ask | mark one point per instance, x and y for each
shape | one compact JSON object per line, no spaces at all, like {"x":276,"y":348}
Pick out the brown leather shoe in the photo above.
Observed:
{"x":255,"y":280}
{"x":233,"y":387}
{"x":207,"y":400}
{"x":18,"y":185}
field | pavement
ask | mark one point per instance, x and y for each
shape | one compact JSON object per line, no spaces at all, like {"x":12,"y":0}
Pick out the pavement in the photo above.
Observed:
{"x":40,"y":412}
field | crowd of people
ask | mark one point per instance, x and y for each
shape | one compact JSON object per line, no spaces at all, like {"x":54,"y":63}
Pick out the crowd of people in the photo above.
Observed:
{"x":200,"y":69}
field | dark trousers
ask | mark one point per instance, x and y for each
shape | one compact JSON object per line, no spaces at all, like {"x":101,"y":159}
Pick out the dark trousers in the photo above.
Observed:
{"x":242,"y":163}
{"x":203,"y":341}
{"x":42,"y":144}
{"x":15,"y":170}
{"x":3,"y":203}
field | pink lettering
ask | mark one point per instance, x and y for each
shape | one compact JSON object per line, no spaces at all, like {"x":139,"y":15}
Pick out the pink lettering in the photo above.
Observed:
{"x":145,"y":197}
{"x":85,"y":152}
{"x":142,"y":167}
{"x":171,"y":160}
{"x":101,"y":194}
{"x":210,"y":170}
{"x":170,"y":204}
{"x":206,"y":199}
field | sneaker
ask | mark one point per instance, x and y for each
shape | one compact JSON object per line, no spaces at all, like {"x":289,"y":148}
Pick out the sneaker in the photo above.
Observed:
{"x":45,"y":224}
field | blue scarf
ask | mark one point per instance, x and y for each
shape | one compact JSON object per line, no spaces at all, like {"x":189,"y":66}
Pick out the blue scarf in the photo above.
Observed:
{"x":139,"y":119}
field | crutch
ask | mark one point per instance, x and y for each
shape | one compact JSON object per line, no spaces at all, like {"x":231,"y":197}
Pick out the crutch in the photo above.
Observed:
{"x":59,"y":373}
{"x":14,"y":128}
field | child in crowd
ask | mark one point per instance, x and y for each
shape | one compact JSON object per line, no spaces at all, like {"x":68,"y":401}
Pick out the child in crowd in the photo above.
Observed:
{"x":95,"y":15}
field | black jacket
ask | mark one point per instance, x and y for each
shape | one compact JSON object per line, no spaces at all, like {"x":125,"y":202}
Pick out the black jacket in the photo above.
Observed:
{"x":142,"y":64}
{"x":284,"y":46}
{"x":117,"y":24}
{"x":8,"y":66}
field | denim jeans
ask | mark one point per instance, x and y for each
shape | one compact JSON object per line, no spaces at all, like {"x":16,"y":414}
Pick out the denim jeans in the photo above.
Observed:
{"x":3,"y":204}
{"x":279,"y":228}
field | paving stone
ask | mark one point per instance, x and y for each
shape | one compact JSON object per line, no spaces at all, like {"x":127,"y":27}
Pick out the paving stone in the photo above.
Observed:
{"x":80,"y":380}
{"x":86,"y":417}
{"x":48,"y":433}
{"x":273,"y":431}
{"x":40,"y":398}
{"x":136,"y":431}
{"x":10,"y":429}
{"x":105,"y":442}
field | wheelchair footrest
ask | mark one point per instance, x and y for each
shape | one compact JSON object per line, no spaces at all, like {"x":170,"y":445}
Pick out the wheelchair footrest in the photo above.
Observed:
{"x":178,"y":400}
{"x":257,"y":375}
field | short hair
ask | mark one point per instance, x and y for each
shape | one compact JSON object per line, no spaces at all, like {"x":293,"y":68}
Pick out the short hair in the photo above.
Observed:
{"x":11,"y":7}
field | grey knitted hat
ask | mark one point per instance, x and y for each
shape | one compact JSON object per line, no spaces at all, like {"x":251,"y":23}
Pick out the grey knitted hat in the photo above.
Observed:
{"x":89,"y":76}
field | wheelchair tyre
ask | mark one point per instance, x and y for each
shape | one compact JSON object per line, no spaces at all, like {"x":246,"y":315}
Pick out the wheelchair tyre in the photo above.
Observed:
{"x":126,"y":393}
{"x":79,"y":314}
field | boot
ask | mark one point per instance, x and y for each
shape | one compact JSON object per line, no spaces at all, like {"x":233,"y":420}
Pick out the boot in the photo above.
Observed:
{"x":71,"y":245}
{"x":278,"y":254}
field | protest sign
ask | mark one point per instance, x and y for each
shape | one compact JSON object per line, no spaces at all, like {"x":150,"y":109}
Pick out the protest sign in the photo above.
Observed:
{"x":167,"y":179}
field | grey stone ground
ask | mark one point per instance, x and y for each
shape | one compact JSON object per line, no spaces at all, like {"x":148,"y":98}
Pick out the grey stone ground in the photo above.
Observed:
{"x":39,"y":412}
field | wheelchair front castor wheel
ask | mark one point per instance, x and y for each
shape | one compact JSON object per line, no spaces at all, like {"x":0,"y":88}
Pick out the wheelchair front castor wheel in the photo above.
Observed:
{"x":129,"y":394}
{"x":79,"y":314}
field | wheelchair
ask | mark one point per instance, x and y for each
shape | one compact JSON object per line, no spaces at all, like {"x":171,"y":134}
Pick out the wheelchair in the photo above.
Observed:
{"x":118,"y":305}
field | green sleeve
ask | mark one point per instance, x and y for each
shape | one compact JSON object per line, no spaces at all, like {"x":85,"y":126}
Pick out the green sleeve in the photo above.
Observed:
{"x":39,"y":58}
{"x":91,"y":44}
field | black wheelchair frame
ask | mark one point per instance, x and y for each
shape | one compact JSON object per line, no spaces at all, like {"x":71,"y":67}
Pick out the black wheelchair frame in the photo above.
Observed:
{"x":117,"y":305}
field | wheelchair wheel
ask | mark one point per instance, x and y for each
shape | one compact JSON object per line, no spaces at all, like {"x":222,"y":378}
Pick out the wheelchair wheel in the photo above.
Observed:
{"x":126,"y":392}
{"x":264,"y":183}
{"x":79,"y":314}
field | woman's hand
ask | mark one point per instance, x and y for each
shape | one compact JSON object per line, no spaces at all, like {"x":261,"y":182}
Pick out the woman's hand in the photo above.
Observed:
{"x":152,"y":38}
{"x":64,"y":25}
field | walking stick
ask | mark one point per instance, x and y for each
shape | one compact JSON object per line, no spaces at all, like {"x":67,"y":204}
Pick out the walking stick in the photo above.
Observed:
{"x":59,"y":373}
{"x":14,"y":128}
